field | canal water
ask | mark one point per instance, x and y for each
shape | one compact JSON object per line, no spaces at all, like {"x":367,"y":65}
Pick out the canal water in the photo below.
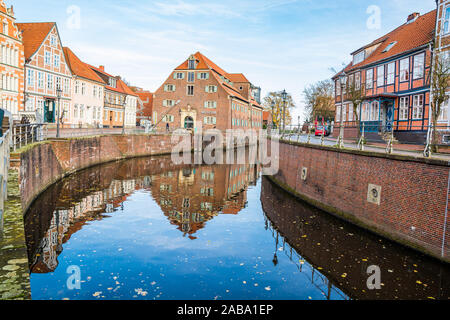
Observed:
{"x":149,"y":229}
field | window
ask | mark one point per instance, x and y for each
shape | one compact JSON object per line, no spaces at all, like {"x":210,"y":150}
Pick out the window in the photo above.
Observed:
{"x":203,"y":75}
{"x":369,"y":79}
{"x":418,"y":107}
{"x":179,"y":76}
{"x":48,"y":58}
{"x":338,"y":113}
{"x":53,"y":40}
{"x":83,"y":88}
{"x":30,"y":77}
{"x":49,"y":82}
{"x":210,"y":104}
{"x":404,"y":69}
{"x":190,"y":90}
{"x":380,"y":76}
{"x":168,"y":103}
{"x":390,"y":46}
{"x":169,"y":88}
{"x":390,"y":73}
{"x":359,"y":57}
{"x":94,"y":91}
{"x":191,"y":64}
{"x":56,"y":61}
{"x":66,"y":86}
{"x":403,"y":109}
{"x":375,"y":111}
{"x":209,"y":120}
{"x":5,"y":28}
{"x":77,"y":87}
{"x":211,"y":89}
{"x":58,"y":83}
{"x":40,"y":80}
{"x":419,"y":65}
{"x":357,"y":80}
{"x":191,"y":76}
{"x":446,"y":20}
{"x":443,"y":116}
{"x":168,"y":118}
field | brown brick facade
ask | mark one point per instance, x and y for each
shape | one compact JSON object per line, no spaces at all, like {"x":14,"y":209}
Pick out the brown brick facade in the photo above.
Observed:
{"x":413,"y":197}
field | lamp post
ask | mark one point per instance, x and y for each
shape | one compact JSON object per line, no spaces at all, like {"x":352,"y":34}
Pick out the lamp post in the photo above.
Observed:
{"x":123,"y":116}
{"x":58,"y":95}
{"x":343,"y":82}
{"x":272,"y":114}
{"x":284,"y":97}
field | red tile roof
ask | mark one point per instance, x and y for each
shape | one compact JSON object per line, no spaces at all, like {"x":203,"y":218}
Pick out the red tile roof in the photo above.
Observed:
{"x":80,"y":68}
{"x":34,"y":35}
{"x":203,"y":63}
{"x":408,"y":37}
{"x":121,"y":85}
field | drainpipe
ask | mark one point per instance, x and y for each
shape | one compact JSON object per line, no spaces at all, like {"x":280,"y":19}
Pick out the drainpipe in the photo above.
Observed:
{"x":445,"y":219}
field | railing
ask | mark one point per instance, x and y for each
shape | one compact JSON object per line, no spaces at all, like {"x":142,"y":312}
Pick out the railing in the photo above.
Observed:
{"x":394,"y":138}
{"x":24,"y":134}
{"x":4,"y":168}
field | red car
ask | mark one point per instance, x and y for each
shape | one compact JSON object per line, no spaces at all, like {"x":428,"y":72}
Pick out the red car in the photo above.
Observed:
{"x":319,"y":129}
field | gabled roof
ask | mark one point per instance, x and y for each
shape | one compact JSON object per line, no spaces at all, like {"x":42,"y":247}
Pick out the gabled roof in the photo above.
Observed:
{"x":121,"y":85}
{"x":237,"y":77}
{"x":407,"y":37}
{"x":80,"y":68}
{"x":204,"y":63}
{"x":33,"y":35}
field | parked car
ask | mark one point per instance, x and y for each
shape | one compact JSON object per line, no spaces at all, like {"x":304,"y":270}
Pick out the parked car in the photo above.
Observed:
{"x":325,"y":129}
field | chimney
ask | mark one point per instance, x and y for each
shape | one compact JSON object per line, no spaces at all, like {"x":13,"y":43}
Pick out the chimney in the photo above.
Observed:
{"x":102,"y":68}
{"x":413,"y":16}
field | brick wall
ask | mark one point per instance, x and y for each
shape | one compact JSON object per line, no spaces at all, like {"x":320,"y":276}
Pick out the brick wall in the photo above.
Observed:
{"x":44,"y":164}
{"x":413,"y":193}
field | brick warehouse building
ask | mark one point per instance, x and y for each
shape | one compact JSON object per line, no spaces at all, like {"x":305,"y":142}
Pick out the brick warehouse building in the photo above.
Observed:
{"x":11,"y":63}
{"x":394,"y":74}
{"x":200,"y":91}
{"x":45,"y":70}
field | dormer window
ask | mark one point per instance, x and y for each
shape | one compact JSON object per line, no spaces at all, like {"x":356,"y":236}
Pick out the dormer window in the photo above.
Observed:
{"x":112,"y":82}
{"x":390,"y":46}
{"x":359,"y":57}
{"x":191,"y":63}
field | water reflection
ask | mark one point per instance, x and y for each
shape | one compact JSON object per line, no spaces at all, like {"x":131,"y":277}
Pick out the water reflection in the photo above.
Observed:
{"x":149,"y":229}
{"x":337,"y":254}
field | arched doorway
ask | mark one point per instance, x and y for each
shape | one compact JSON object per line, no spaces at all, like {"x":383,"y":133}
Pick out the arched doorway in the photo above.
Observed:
{"x":188,"y":123}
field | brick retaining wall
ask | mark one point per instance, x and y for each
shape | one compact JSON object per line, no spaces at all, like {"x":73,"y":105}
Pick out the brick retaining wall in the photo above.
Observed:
{"x":43,"y":164}
{"x":413,"y":192}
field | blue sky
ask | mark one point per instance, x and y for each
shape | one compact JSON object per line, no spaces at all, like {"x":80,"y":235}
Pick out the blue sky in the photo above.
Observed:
{"x":277,"y":44}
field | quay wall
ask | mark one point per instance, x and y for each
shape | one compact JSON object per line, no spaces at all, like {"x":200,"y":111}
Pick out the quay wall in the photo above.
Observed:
{"x":399,"y":197}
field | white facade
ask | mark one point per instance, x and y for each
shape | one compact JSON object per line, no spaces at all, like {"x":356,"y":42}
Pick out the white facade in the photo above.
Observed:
{"x":87,"y":101}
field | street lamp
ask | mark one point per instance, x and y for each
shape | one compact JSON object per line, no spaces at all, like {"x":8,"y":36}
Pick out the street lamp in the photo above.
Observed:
{"x":272,"y":114}
{"x":58,"y":95}
{"x":123,"y":116}
{"x":284,"y":97}
{"x":343,"y":83}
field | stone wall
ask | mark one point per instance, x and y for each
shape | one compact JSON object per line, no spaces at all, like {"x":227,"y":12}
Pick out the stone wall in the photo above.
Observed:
{"x":43,"y":164}
{"x":402,"y":198}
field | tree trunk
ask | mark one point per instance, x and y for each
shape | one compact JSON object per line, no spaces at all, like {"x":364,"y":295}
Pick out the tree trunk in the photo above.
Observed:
{"x":434,"y":134}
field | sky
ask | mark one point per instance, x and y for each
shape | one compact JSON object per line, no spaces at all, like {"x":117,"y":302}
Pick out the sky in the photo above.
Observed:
{"x":277,"y":44}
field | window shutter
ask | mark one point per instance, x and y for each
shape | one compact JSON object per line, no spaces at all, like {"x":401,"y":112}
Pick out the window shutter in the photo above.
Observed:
{"x":215,"y":88}
{"x":207,"y":89}
{"x":206,"y":104}
{"x":199,"y":75}
{"x":215,"y":104}
{"x":164,"y":103}
{"x":174,"y":88}
{"x":207,"y":75}
{"x":165,"y":87}
{"x":205,"y":120}
{"x":214,"y":120}
{"x":174,"y":75}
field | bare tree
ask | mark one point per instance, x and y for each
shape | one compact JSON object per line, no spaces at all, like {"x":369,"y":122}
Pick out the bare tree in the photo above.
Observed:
{"x":319,"y":101}
{"x":275,"y":100}
{"x":355,"y":93}
{"x":440,"y":79}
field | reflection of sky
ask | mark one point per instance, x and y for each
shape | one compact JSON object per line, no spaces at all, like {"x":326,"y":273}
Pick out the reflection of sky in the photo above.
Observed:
{"x":138,"y":254}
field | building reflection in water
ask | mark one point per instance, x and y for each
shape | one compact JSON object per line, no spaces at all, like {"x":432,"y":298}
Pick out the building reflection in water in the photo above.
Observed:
{"x":189,"y":196}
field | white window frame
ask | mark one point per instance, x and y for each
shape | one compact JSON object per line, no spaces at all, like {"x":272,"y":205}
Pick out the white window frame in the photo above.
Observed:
{"x":443,"y":116}
{"x":369,"y":79}
{"x":403,"y":108}
{"x":418,"y":104}
{"x":446,"y":22}
{"x":390,"y":79}
{"x":419,"y":66}
{"x":404,"y":70}
{"x":380,"y":76}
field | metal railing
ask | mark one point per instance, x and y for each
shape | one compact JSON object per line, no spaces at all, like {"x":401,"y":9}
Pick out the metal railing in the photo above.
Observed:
{"x":24,"y":134}
{"x":395,"y":138}
{"x":5,"y":139}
